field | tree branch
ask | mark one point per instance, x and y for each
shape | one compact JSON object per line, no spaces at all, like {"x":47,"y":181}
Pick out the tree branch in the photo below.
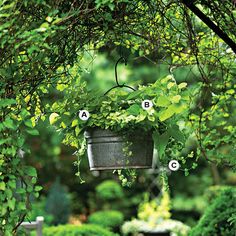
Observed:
{"x":210,"y":24}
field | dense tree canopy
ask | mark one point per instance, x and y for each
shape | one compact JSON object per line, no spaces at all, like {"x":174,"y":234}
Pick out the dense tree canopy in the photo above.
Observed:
{"x":42,"y":41}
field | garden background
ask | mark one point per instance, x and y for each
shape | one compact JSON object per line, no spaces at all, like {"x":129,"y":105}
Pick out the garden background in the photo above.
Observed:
{"x":51,"y":50}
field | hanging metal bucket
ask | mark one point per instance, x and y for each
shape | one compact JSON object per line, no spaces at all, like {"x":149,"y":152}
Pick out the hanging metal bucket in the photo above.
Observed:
{"x":106,"y":149}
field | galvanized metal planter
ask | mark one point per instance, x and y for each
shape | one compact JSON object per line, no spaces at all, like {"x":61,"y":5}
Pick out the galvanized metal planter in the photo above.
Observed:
{"x":105,"y":149}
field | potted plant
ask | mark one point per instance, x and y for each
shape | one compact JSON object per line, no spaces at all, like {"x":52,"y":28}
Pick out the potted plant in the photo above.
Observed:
{"x":120,"y":133}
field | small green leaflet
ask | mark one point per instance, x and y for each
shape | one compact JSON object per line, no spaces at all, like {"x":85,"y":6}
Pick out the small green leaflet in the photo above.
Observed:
{"x":8,"y":123}
{"x":53,"y":118}
{"x":28,"y":123}
{"x":163,"y":101}
{"x":134,"y":109}
{"x":2,"y":186}
{"x":166,"y":114}
{"x":134,"y":94}
{"x":34,"y":132}
{"x":30,"y":171}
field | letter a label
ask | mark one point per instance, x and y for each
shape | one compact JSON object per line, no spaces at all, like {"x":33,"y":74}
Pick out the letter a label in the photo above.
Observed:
{"x":84,"y":115}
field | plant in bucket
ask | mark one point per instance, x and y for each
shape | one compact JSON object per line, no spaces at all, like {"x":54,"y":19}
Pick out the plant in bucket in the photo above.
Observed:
{"x":121,"y":128}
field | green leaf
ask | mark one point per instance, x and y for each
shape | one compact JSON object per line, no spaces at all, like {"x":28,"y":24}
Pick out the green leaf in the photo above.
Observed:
{"x":8,"y":123}
{"x":6,"y":140}
{"x":170,"y":85}
{"x":28,"y":123}
{"x":21,"y":206}
{"x":134,"y":94}
{"x":34,"y":180}
{"x":163,"y":101}
{"x":74,"y":123}
{"x":166,"y":114}
{"x":20,"y":191}
{"x":186,"y":172}
{"x":182,"y":85}
{"x":24,"y":113}
{"x":38,"y":188}
{"x":20,"y":141}
{"x":134,"y":109}
{"x":8,"y":193}
{"x":12,"y":203}
{"x":77,"y":130}
{"x":7,"y":102}
{"x":12,"y":184}
{"x":30,"y":171}
{"x":32,"y":131}
{"x":2,"y":186}
{"x":53,"y":118}
{"x":176,"y":99}
{"x":177,"y":108}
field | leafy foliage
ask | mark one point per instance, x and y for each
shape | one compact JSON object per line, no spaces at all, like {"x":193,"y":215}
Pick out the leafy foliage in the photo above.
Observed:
{"x":17,"y":181}
{"x":215,"y":220}
{"x":155,"y":210}
{"x":109,"y":190}
{"x":155,"y":216}
{"x":83,"y":230}
{"x":107,"y":219}
{"x":39,"y":209}
{"x":121,"y":111}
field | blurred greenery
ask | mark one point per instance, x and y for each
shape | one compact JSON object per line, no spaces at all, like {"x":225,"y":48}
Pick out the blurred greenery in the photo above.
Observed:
{"x":154,"y":216}
{"x":109,"y":190}
{"x":39,"y":209}
{"x":109,"y":219}
{"x":58,"y":203}
{"x":47,"y":46}
{"x":215,"y":220}
{"x":83,"y":230}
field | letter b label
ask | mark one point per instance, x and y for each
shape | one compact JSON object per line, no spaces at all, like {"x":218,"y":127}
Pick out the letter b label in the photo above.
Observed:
{"x":146,"y":104}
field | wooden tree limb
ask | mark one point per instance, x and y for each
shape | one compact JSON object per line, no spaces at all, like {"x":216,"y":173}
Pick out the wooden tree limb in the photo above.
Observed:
{"x":210,"y":24}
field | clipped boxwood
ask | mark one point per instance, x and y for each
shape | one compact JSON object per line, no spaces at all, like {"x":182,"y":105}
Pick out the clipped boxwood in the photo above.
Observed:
{"x":216,"y":219}
{"x":108,"y":219}
{"x":74,"y":230}
{"x":109,"y":190}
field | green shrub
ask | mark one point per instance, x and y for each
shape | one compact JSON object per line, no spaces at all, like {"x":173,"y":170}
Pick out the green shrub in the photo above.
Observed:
{"x":58,"y":204}
{"x":216,"y":219}
{"x":213,"y":192}
{"x":74,"y":230}
{"x":107,"y":219}
{"x":109,"y":190}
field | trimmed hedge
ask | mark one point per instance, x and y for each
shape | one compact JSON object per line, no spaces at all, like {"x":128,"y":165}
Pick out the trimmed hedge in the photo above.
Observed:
{"x":109,"y":190}
{"x":216,"y":219}
{"x":74,"y":230}
{"x":107,"y":219}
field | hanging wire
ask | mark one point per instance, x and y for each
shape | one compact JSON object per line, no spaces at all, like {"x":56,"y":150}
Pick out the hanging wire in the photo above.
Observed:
{"x":118,"y":85}
{"x":116,"y":77}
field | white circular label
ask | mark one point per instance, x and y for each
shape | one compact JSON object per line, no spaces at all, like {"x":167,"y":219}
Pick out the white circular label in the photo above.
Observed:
{"x":146,"y":104}
{"x":174,"y":165}
{"x":83,"y":115}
